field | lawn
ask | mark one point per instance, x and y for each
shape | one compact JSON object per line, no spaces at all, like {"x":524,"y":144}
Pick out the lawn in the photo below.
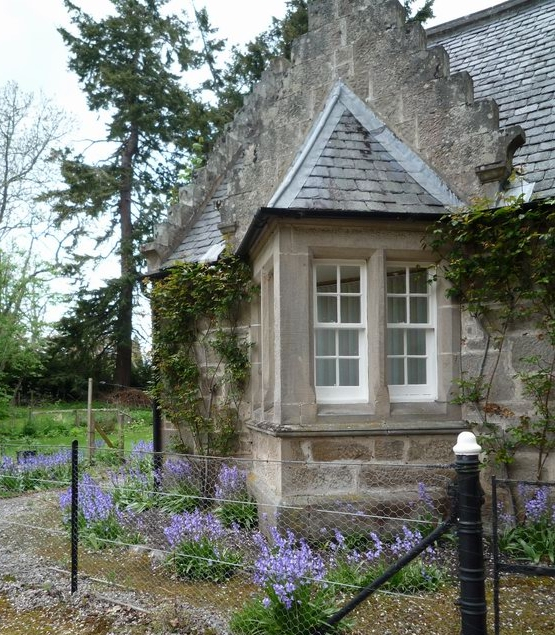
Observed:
{"x":59,"y":424}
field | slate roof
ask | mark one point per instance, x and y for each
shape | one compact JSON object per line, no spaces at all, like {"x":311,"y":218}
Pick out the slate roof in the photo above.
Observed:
{"x":204,"y":240}
{"x":352,"y":161}
{"x":509,"y":50}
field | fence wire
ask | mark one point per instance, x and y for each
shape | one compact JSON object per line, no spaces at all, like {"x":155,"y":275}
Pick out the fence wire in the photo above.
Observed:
{"x":194,"y":532}
{"x":523,"y":546}
{"x":202,"y":536}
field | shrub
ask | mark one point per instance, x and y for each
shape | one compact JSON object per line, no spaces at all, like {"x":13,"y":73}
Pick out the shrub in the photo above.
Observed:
{"x":235,"y":506}
{"x":295,"y":598}
{"x":532,"y":539}
{"x":101,"y":523}
{"x":199,"y":551}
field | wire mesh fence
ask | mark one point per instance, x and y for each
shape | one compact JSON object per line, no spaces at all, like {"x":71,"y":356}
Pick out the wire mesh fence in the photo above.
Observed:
{"x":189,"y":529}
{"x":523,"y":541}
{"x":205,"y":536}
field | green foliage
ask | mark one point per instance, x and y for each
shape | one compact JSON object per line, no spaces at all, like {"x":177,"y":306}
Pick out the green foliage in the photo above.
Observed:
{"x":242,"y":514}
{"x":203,"y":560}
{"x":200,"y":357}
{"x":424,"y":13}
{"x":533,"y":543}
{"x":311,"y":609}
{"x":247,"y":64}
{"x":531,"y":536}
{"x":500,"y":264}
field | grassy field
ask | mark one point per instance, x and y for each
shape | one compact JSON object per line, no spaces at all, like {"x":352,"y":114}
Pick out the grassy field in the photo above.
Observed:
{"x":59,"y":424}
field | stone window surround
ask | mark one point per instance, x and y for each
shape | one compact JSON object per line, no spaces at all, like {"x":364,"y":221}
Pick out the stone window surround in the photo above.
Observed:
{"x":283,"y":394}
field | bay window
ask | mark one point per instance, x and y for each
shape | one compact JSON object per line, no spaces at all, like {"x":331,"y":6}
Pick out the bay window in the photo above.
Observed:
{"x":343,"y":367}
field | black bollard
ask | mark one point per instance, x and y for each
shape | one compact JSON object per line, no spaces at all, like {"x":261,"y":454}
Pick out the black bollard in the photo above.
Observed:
{"x":74,"y":515}
{"x":472,"y":575}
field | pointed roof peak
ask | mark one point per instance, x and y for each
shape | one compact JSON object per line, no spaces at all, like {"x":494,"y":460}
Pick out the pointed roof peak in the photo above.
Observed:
{"x":352,"y":160}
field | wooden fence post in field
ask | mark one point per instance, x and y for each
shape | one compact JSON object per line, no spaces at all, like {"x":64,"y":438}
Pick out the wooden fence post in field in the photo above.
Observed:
{"x":90,"y":422}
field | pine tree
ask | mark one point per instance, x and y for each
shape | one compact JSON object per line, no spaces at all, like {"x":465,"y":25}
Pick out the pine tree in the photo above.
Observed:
{"x":129,"y":65}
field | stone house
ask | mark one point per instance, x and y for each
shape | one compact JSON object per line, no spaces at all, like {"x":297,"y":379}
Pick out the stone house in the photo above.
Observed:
{"x":326,"y":181}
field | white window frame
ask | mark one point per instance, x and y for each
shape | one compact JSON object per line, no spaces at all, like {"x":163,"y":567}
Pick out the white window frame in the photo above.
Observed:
{"x":343,"y":394}
{"x":415,"y":392}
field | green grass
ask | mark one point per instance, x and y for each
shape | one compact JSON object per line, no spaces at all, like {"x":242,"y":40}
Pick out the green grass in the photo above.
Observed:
{"x":45,"y":428}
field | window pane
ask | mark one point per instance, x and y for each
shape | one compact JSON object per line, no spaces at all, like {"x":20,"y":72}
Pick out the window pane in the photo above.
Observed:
{"x":416,"y":342}
{"x":327,"y":309}
{"x":396,"y":280}
{"x":418,"y":281}
{"x":326,"y":279}
{"x":419,"y":310}
{"x":325,"y":372}
{"x":396,"y":310}
{"x":350,"y":279}
{"x":416,"y":371}
{"x":348,"y":343}
{"x":395,"y":341}
{"x":350,"y":310}
{"x":348,"y":372}
{"x":325,"y":342}
{"x":396,"y":371}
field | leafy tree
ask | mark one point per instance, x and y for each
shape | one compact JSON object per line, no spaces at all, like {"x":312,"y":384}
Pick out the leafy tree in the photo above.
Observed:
{"x":424,"y":13}
{"x":30,"y":128}
{"x":22,"y":289}
{"x":128,"y":65}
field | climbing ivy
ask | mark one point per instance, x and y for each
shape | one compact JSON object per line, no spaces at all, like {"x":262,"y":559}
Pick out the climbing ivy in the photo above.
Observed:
{"x":201,"y":358}
{"x":500,"y":263}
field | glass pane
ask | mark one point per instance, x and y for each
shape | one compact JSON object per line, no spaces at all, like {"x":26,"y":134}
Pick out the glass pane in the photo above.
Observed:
{"x":350,"y":279}
{"x":395,"y":341}
{"x":327,"y":309}
{"x":325,"y":372}
{"x":350,"y":309}
{"x":396,"y":310}
{"x":418,"y":310}
{"x":396,"y":280}
{"x":416,"y":342}
{"x":348,"y":343}
{"x":416,"y":371}
{"x":348,"y":372}
{"x":418,"y":281}
{"x":396,"y":371}
{"x":326,"y":279}
{"x":325,"y":342}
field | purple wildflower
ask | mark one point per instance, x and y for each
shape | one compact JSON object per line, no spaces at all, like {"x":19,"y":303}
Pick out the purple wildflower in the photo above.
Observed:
{"x":405,"y":542}
{"x":376,"y":552}
{"x":231,"y":483}
{"x":178,"y":470}
{"x":285,"y":566}
{"x":94,"y":503}
{"x":536,"y":506}
{"x":193,"y":526}
{"x":425,"y":497}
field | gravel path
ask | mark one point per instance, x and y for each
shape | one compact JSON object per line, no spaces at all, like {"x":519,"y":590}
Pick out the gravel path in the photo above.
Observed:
{"x":35,"y":596}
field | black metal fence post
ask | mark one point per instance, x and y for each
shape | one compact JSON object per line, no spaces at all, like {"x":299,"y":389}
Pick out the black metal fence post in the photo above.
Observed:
{"x":74,"y":514}
{"x":472,"y":575}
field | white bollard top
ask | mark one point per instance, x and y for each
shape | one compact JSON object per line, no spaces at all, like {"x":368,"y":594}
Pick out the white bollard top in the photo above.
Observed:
{"x":467,"y":444}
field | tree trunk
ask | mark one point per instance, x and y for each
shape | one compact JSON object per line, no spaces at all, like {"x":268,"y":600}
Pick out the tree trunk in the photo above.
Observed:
{"x":127,"y":264}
